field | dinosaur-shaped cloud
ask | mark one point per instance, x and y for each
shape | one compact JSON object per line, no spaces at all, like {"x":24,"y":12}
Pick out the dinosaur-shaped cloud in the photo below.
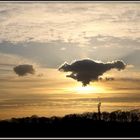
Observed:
{"x":88,"y":70}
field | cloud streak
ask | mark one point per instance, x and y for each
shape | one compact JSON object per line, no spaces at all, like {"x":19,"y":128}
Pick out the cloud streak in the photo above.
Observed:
{"x":88,"y":70}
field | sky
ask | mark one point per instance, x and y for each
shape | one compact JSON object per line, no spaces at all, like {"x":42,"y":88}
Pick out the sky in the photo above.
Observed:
{"x":47,"y":34}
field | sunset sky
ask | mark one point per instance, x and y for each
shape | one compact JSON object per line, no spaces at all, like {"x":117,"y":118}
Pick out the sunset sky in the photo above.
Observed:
{"x":47,"y":34}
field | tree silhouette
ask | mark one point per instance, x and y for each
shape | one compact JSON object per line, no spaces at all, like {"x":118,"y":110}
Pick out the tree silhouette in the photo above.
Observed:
{"x":117,"y":123}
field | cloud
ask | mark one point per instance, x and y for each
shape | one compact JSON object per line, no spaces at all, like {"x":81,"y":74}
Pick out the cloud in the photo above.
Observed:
{"x":28,"y":52}
{"x":71,"y":19}
{"x":23,"y":70}
{"x":100,"y":40}
{"x":88,"y":70}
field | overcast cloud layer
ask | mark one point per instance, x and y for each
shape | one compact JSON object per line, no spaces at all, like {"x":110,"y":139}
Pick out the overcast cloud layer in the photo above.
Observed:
{"x":67,"y":21}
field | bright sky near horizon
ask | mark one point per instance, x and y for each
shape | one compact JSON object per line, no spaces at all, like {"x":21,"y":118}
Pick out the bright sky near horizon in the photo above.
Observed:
{"x":46,"y":35}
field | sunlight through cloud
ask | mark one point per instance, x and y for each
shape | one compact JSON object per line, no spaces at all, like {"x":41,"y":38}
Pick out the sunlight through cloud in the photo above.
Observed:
{"x":89,"y":89}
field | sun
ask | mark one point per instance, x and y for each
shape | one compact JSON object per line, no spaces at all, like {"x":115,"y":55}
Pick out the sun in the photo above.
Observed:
{"x":88,"y":89}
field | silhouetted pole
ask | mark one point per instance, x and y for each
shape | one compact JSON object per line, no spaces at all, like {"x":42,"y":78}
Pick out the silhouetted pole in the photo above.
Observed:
{"x":99,"y":111}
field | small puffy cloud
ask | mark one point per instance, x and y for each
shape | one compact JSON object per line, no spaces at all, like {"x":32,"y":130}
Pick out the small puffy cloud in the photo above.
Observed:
{"x":88,"y":70}
{"x":23,"y":70}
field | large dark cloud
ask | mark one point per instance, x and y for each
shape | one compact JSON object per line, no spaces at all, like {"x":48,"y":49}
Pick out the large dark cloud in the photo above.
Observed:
{"x":88,"y":70}
{"x":23,"y":70}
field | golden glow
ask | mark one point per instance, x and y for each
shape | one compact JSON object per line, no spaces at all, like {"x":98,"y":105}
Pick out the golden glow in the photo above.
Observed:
{"x":89,"y":89}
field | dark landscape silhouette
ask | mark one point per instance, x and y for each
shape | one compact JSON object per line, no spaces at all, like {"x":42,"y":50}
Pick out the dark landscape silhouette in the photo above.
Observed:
{"x":89,"y":124}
